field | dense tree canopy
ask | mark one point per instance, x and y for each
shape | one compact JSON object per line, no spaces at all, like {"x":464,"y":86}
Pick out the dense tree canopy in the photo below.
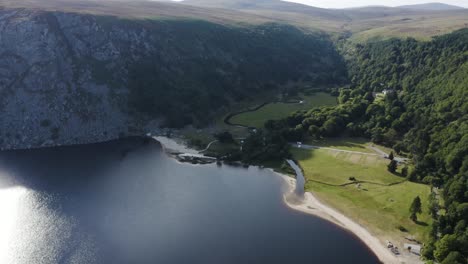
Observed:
{"x":412,"y":96}
{"x":205,"y":66}
{"x":429,"y":117}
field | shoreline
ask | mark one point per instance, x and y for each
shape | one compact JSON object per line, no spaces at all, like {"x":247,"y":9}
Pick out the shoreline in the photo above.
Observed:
{"x":309,"y":204}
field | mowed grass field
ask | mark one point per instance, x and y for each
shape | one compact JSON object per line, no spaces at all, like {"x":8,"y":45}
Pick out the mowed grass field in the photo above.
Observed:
{"x":343,"y":143}
{"x":275,"y":111}
{"x":382,"y":205}
{"x":336,"y":167}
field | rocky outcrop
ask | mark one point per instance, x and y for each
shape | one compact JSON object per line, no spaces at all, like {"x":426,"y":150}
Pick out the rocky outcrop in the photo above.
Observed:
{"x":50,"y":94}
{"x":66,"y":78}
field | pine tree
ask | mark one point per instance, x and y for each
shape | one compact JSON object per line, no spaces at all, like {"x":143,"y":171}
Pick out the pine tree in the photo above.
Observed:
{"x":415,"y":208}
{"x":391,"y":156}
{"x":392,"y":166}
{"x":404,"y":171}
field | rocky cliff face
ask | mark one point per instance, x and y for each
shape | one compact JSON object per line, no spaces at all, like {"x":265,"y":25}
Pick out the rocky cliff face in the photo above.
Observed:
{"x":65,"y":77}
{"x":48,"y":93}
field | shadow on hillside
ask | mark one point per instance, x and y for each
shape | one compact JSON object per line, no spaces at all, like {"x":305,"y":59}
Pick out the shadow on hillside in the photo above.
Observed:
{"x":301,"y":154}
{"x":421,"y":223}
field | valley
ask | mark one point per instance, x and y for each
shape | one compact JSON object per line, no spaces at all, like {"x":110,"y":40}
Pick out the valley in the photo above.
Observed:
{"x":370,"y":102}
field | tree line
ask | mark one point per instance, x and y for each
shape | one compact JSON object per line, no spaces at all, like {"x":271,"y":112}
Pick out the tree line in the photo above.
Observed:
{"x":411,"y":96}
{"x":201,"y":68}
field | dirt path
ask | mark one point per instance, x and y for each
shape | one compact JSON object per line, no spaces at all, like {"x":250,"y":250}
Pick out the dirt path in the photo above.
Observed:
{"x":378,"y":151}
{"x":227,"y":119}
{"x":209,"y":145}
{"x":398,"y":159}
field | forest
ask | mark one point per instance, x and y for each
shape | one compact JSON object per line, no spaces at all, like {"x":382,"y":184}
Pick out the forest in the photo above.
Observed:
{"x":209,"y":66}
{"x":411,"y":96}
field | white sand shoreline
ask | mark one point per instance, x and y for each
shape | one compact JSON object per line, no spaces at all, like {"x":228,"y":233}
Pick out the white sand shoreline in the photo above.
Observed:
{"x":311,"y":205}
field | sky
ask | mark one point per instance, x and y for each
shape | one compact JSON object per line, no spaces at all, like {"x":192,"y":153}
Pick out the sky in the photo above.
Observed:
{"x":356,"y":3}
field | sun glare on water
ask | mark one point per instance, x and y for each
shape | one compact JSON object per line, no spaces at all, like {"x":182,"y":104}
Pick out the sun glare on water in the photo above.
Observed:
{"x":9,"y":205}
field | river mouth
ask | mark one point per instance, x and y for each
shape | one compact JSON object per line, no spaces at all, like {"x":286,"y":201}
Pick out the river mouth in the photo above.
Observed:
{"x":127,"y":202}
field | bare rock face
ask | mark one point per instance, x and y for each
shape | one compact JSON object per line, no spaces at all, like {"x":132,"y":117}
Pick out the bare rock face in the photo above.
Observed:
{"x":49,"y":95}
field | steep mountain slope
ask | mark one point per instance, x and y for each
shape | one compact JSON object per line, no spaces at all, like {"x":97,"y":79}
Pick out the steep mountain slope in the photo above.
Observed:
{"x":424,"y":113}
{"x":75,"y":78}
{"x":427,"y":116}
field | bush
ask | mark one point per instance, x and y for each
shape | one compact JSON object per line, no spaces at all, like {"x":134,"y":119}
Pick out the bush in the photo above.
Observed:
{"x":404,"y":171}
{"x":444,"y":247}
{"x":224,"y":137}
{"x":402,"y":228}
{"x":453,"y":257}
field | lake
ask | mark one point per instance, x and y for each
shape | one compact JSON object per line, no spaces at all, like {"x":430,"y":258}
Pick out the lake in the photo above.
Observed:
{"x":126,"y":201}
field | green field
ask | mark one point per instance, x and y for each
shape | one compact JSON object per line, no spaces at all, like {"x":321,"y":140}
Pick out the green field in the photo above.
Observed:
{"x":334,"y":167}
{"x":351,"y":144}
{"x":275,"y":111}
{"x":343,"y":143}
{"x":382,"y":205}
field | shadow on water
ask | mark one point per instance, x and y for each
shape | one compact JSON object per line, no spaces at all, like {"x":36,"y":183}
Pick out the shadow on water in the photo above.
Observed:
{"x":130,"y":203}
{"x":67,"y":166}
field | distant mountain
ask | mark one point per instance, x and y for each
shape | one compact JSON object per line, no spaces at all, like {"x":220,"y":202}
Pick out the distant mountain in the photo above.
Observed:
{"x":432,"y":7}
{"x":363,"y":23}
{"x":267,"y":5}
{"x":247,"y":4}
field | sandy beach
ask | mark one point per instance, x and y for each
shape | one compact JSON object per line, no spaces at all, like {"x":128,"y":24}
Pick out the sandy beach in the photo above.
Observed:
{"x":311,"y":205}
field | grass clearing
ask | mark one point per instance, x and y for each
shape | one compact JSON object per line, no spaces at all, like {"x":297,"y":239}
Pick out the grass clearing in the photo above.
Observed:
{"x":382,"y":209}
{"x":343,"y":143}
{"x":334,"y":167}
{"x":279,"y":110}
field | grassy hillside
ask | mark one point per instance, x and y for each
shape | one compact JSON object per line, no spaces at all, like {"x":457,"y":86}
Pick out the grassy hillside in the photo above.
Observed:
{"x":139,"y":9}
{"x":364,"y":23}
{"x":380,"y":202}
{"x":419,"y":25}
{"x":432,"y":6}
{"x":368,"y":23}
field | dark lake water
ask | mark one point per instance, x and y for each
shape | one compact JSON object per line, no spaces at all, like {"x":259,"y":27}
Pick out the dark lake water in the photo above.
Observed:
{"x":127,"y":202}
